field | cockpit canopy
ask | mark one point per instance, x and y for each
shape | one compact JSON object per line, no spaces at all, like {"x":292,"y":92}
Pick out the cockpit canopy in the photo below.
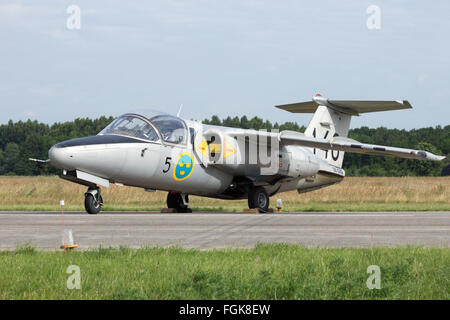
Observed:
{"x":159,"y":126}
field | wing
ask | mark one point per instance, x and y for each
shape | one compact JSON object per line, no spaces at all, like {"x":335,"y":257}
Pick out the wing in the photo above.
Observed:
{"x":230,"y":144}
{"x":350,"y":145}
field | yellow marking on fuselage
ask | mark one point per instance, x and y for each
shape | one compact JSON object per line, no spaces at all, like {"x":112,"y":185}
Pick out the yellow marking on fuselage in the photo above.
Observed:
{"x":229,"y":150}
{"x":215,"y":148}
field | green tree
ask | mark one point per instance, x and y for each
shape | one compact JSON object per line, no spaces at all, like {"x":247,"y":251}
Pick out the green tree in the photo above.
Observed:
{"x":22,"y":140}
{"x":446,"y":171}
{"x":256,"y":123}
{"x":215,"y":121}
{"x":1,"y":160}
{"x":11,"y":156}
{"x":244,"y":123}
{"x":426,"y":168}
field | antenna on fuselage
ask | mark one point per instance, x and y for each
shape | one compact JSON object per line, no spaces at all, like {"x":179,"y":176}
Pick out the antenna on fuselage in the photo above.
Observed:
{"x":179,"y":110}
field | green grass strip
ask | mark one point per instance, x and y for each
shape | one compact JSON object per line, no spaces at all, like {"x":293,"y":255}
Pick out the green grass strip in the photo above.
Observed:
{"x":275,"y":271}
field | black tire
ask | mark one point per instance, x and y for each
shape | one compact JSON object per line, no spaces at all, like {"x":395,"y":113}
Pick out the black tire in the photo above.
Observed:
{"x":258,"y":199}
{"x":175,"y":201}
{"x":91,"y":204}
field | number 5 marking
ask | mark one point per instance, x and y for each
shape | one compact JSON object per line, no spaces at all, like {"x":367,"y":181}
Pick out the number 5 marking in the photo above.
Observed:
{"x":168,"y":164}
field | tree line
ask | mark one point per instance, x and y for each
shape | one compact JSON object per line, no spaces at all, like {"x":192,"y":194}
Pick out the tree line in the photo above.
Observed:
{"x":31,"y":139}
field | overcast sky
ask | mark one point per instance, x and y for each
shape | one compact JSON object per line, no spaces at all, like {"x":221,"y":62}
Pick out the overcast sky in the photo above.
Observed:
{"x":227,"y":57}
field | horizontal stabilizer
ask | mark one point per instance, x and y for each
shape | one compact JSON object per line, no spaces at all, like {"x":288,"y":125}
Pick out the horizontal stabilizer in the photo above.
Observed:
{"x":351,"y":107}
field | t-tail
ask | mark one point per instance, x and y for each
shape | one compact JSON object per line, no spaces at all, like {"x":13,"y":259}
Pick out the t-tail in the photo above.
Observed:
{"x":332,"y":120}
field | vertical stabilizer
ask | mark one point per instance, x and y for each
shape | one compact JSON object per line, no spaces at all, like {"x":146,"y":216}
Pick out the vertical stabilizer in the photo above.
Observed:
{"x":326,"y":124}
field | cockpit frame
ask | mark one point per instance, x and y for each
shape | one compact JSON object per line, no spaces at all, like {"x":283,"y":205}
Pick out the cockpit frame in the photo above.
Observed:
{"x":161,"y":139}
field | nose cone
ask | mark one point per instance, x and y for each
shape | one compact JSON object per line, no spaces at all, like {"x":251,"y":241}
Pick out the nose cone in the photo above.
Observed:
{"x":59,"y":157}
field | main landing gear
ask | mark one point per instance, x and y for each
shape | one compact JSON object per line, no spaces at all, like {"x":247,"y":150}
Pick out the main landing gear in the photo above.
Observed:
{"x":178,"y":201}
{"x":258,"y":199}
{"x":93,"y":200}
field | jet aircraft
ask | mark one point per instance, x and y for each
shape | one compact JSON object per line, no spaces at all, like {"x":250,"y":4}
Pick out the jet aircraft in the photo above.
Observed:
{"x":159,"y":151}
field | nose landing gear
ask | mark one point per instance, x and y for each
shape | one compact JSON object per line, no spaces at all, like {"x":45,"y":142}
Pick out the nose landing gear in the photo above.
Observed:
{"x":93,"y":201}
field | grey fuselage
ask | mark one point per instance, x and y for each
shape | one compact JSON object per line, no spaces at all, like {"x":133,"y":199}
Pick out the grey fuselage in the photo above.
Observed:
{"x":162,"y":164}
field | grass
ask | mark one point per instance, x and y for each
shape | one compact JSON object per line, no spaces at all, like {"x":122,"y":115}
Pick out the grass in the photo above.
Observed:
{"x":268,"y":271}
{"x":275,"y":271}
{"x":352,"y":194}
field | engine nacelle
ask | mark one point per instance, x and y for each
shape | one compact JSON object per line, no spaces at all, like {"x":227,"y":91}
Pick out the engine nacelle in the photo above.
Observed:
{"x":299,"y":162}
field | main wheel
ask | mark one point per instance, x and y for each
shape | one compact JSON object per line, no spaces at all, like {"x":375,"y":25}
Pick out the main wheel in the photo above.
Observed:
{"x":258,"y":199}
{"x":175,"y":201}
{"x":91,"y":204}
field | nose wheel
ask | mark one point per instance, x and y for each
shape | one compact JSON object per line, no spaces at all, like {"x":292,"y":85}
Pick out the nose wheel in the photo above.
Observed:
{"x":178,"y":201}
{"x":93,"y":201}
{"x":258,"y":199}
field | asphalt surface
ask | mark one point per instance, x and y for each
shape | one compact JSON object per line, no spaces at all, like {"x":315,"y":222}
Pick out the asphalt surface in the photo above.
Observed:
{"x":219,"y":230}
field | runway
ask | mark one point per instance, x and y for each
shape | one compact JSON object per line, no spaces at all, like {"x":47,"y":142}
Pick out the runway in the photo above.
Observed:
{"x":219,"y":230}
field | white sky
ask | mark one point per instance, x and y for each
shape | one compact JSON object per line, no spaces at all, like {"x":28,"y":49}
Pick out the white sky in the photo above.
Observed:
{"x":227,"y":57}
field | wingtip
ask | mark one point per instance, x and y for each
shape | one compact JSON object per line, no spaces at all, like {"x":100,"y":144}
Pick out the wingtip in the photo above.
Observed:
{"x":435,"y":157}
{"x":425,"y":155}
{"x":407,"y":104}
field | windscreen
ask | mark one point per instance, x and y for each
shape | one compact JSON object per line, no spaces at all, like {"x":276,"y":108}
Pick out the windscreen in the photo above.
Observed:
{"x":133,"y":126}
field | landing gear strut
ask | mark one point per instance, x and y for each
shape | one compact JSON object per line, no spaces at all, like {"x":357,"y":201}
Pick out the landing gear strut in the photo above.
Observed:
{"x":178,"y":201}
{"x":93,"y":200}
{"x":258,"y":199}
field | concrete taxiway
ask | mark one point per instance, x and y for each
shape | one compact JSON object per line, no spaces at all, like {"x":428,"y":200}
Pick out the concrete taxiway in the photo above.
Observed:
{"x":218,"y":230}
